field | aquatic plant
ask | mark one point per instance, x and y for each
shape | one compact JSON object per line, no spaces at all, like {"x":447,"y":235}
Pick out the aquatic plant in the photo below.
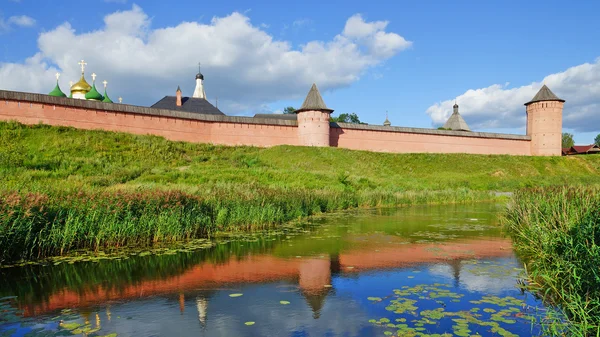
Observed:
{"x":556,"y":231}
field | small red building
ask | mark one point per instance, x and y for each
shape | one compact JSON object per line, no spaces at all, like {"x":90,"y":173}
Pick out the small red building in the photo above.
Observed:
{"x":581,"y":149}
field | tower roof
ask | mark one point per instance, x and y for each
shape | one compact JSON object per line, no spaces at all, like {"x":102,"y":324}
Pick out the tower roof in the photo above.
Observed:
{"x":456,"y":123}
{"x":199,"y":74}
{"x":314,"y":101}
{"x":545,"y":94}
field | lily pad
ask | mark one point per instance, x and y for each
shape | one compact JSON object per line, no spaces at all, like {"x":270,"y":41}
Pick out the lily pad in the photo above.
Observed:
{"x":235,"y":295}
{"x":284,"y":302}
{"x":250,"y":323}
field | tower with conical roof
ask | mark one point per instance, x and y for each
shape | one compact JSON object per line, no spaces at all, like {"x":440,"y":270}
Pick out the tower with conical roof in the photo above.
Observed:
{"x":387,"y":121}
{"x":199,"y":91}
{"x":456,"y":122}
{"x":544,"y":123}
{"x":313,"y":120}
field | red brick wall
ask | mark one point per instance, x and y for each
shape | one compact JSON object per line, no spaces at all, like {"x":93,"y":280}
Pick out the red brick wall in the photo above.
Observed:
{"x":169,"y":127}
{"x":404,"y":142}
{"x":240,"y":133}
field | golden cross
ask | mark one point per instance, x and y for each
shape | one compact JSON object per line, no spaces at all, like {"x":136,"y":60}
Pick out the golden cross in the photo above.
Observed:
{"x":82,"y":64}
{"x":57,"y":76}
{"x":94,"y":77}
{"x":120,"y":99}
{"x":105,"y":83}
{"x":70,"y":83}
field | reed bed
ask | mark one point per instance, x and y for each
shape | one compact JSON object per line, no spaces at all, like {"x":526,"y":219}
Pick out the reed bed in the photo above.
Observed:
{"x":556,"y":231}
{"x":38,"y":225}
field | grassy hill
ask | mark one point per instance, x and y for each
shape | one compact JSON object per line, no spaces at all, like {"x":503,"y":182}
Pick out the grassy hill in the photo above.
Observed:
{"x":38,"y":157}
{"x":65,"y":189}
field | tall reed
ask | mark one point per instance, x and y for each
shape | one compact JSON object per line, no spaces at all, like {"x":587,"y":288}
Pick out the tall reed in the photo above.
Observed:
{"x":38,"y":225}
{"x":556,"y":231}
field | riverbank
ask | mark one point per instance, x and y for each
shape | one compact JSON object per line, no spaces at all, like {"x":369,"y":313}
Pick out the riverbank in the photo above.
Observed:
{"x":556,"y":231}
{"x":66,"y":189}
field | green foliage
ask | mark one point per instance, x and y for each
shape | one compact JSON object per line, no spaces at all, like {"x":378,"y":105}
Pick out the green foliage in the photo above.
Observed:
{"x":347,"y":118}
{"x":65,"y":189}
{"x":567,"y":140}
{"x":597,"y":140}
{"x":289,"y":110}
{"x":557,"y":232}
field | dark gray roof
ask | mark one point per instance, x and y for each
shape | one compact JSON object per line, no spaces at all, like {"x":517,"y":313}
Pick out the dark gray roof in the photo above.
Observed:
{"x":189,"y":104}
{"x":290,"y":117}
{"x":456,"y":123}
{"x":545,"y":94}
{"x":314,"y":101}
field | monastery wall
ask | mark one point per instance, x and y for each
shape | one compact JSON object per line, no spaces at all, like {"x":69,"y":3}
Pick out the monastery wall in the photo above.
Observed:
{"x":416,"y":140}
{"x":30,"y":108}
{"x":173,"y":125}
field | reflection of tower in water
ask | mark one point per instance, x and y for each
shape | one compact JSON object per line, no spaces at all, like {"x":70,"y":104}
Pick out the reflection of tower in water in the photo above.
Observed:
{"x":455,"y":264}
{"x":202,"y":305}
{"x":315,"y":281}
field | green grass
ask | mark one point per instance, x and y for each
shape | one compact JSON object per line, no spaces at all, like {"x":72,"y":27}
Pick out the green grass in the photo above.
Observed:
{"x":65,"y":189}
{"x":557,"y":232}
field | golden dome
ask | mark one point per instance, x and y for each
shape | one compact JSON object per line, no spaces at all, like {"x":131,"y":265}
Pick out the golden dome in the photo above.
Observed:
{"x":81,"y":86}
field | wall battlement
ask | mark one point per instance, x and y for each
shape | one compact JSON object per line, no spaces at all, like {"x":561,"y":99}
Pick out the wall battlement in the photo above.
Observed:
{"x":312,"y":127}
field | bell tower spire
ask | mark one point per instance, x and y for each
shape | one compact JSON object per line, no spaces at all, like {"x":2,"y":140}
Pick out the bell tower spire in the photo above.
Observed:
{"x":199,"y":91}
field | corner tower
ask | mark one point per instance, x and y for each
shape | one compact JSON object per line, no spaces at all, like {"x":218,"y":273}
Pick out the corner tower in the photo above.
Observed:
{"x":544,"y":123}
{"x":313,"y":120}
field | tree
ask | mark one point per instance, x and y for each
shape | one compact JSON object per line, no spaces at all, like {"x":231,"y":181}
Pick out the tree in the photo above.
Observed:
{"x":597,"y":140}
{"x":347,"y":118}
{"x":289,"y":110}
{"x":567,"y":140}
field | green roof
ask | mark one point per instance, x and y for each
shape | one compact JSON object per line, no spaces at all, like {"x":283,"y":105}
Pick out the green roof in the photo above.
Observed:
{"x":94,"y":94}
{"x":56,"y":92}
{"x":106,"y":98}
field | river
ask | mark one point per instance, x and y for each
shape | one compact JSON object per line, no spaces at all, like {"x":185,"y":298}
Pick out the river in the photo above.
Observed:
{"x":425,"y":270}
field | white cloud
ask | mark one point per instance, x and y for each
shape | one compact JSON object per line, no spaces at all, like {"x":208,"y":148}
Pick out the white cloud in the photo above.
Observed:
{"x":17,"y":20}
{"x":302,"y":23}
{"x":500,"y":106}
{"x":244,"y":66}
{"x":21,"y":21}
{"x":358,"y":28}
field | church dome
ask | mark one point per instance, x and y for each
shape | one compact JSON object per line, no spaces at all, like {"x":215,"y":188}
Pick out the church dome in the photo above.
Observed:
{"x":93,"y":94}
{"x":56,"y":92}
{"x":106,"y":98}
{"x":199,"y":76}
{"x":82,"y":86}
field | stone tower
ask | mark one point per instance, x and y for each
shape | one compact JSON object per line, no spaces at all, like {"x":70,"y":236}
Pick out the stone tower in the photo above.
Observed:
{"x":544,"y":123}
{"x":313,"y":120}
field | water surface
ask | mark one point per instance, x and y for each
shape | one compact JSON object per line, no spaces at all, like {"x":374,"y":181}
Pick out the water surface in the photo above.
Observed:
{"x":427,"y":271}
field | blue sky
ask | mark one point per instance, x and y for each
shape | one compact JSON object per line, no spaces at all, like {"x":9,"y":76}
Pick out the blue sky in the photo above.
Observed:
{"x":410,"y":58}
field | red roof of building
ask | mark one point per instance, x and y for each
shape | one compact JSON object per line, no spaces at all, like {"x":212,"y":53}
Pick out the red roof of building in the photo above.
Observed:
{"x":581,"y":149}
